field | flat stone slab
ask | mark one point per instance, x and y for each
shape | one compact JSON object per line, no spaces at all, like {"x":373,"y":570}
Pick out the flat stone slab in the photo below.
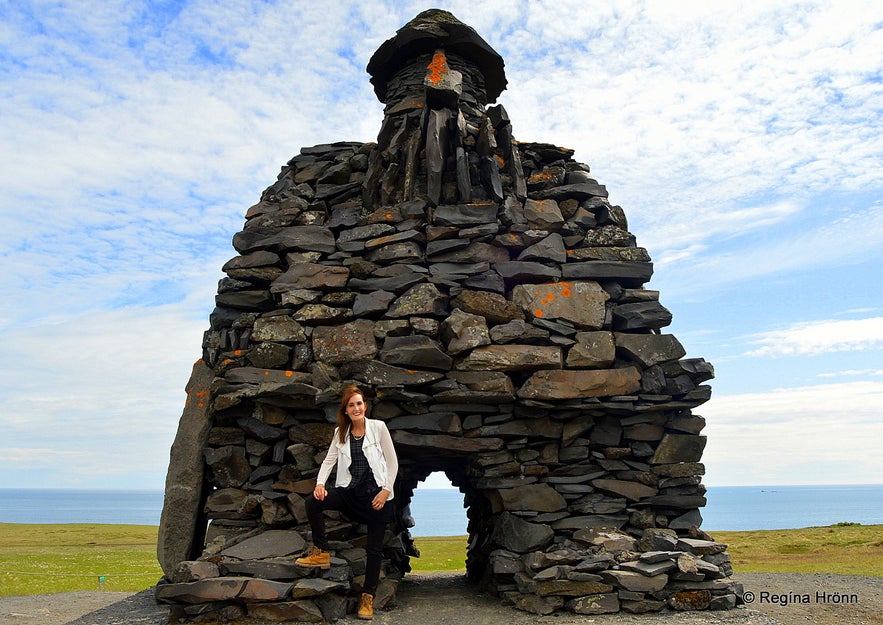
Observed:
{"x":223,"y":589}
{"x":581,"y":303}
{"x":562,"y":384}
{"x":635,"y":581}
{"x":272,"y":543}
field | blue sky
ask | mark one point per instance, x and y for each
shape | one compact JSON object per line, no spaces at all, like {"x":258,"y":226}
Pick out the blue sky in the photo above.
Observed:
{"x":743,"y":141}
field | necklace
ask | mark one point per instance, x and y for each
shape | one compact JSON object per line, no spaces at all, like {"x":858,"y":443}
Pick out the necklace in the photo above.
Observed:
{"x":358,"y":438}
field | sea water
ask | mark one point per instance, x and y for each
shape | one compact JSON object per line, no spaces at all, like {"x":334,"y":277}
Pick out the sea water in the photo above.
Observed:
{"x":440,"y":512}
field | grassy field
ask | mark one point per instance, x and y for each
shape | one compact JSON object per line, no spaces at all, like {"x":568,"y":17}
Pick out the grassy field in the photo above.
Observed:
{"x":846,"y":549}
{"x":42,"y":559}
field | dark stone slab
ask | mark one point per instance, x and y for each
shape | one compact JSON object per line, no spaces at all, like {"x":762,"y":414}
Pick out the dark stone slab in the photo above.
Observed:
{"x":604,"y":603}
{"x":223,"y":589}
{"x":375,"y":302}
{"x":543,"y":215}
{"x":564,"y":384}
{"x":444,"y":246}
{"x":464,"y":214}
{"x":311,"y":276}
{"x":633,"y":491}
{"x":511,"y":358}
{"x":182,"y":504}
{"x":679,"y":448}
{"x":271,"y":543}
{"x":641,"y":315}
{"x":551,"y":248}
{"x":520,"y":536}
{"x":487,"y":281}
{"x":228,"y":465}
{"x":300,"y":238}
{"x":338,"y":192}
{"x":492,"y":306}
{"x":649,"y":349}
{"x":441,"y":443}
{"x":533,"y":497}
{"x":260,"y":258}
{"x":518,"y":330}
{"x":286,"y":611}
{"x":279,"y":329}
{"x":398,"y":282}
{"x":519,"y":272}
{"x":445,"y":422}
{"x":384,"y":375}
{"x":489,"y":175}
{"x":464,"y":331}
{"x":420,"y":299}
{"x":593,"y":350}
{"x":631,"y":272}
{"x":415,"y":351}
{"x":580,"y":303}
{"x":255,"y":300}
{"x":569,"y":588}
{"x":579,"y":191}
{"x":344,"y":343}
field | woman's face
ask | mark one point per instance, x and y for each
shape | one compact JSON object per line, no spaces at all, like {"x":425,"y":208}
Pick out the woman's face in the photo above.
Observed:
{"x":356,"y":408}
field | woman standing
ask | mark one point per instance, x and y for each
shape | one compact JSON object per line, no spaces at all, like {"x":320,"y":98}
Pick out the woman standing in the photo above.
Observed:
{"x":367,"y":465}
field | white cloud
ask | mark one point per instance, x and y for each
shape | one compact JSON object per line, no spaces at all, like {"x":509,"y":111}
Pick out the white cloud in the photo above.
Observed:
{"x":96,"y":395}
{"x":819,"y":337}
{"x":826,"y":434}
{"x":792,"y":246}
{"x":33,"y":458}
{"x":851,"y":373}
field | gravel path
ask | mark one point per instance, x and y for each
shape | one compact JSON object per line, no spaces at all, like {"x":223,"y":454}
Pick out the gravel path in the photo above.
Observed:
{"x":445,"y":599}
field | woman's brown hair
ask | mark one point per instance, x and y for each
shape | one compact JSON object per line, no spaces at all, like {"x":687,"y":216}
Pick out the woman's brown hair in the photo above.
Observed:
{"x":343,"y":419}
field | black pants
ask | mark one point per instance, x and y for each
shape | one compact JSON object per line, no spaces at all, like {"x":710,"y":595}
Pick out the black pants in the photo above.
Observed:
{"x":357,"y":506}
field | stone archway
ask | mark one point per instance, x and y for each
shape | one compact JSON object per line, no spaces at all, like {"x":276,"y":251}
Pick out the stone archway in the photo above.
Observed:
{"x":489,"y":299}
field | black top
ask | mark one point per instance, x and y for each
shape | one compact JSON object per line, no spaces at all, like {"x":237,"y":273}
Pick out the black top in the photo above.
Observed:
{"x":360,"y":470}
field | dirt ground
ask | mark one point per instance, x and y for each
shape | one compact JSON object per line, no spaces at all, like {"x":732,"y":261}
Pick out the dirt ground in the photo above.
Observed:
{"x":446,"y":599}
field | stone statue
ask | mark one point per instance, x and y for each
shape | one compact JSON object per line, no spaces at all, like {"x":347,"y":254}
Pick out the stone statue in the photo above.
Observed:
{"x":489,"y":299}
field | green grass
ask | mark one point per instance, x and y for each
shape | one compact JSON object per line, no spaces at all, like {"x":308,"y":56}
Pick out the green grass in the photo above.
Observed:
{"x":440,"y":553}
{"x":43,"y":559}
{"x":847,"y":549}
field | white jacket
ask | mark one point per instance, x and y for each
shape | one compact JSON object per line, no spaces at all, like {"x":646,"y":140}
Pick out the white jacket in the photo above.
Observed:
{"x":378,"y":449}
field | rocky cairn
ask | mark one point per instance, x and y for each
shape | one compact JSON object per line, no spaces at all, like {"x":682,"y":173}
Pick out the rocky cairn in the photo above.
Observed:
{"x":489,"y":299}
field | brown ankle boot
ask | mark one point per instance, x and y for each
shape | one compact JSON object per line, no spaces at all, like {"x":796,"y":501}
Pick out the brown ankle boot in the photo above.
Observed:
{"x":366,"y":606}
{"x":315,"y":558}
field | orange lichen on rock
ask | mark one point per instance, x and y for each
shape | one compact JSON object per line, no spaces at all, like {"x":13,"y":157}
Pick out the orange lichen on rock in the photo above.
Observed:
{"x":541,"y":176}
{"x":200,"y":397}
{"x":437,"y":68}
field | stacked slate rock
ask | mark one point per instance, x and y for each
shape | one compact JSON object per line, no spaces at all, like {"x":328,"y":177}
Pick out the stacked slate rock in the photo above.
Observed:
{"x":489,"y":300}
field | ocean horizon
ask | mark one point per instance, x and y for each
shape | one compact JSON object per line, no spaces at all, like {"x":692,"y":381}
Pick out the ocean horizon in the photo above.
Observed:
{"x":440,"y":512}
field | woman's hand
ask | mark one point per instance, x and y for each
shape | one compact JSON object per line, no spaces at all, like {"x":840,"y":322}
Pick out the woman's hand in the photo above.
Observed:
{"x":380,"y":499}
{"x":319,"y":492}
